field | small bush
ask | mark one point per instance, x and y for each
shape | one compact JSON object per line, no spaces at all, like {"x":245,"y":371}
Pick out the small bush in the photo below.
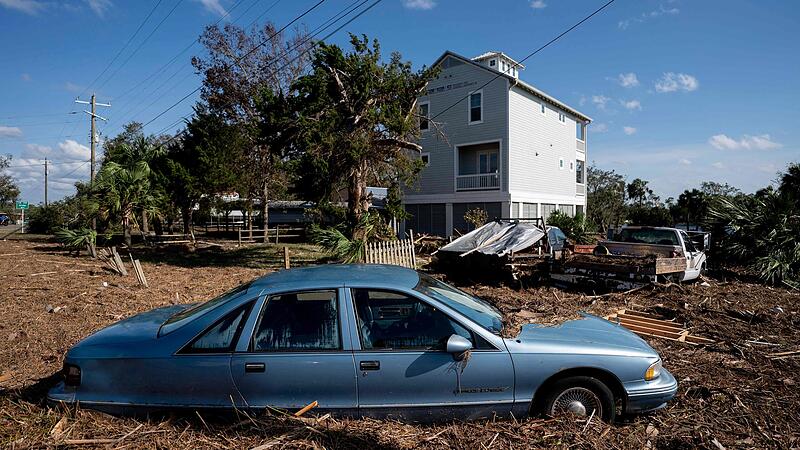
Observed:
{"x":477,"y":217}
{"x":578,"y":229}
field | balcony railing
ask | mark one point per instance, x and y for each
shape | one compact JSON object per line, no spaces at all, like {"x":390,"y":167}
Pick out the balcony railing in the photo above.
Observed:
{"x":480,"y":181}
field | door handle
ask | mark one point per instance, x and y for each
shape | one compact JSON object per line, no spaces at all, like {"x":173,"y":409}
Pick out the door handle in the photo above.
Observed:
{"x":254,"y":367}
{"x":370,"y":365}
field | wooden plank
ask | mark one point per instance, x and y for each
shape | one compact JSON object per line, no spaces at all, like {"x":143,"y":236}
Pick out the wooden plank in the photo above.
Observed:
{"x":654,"y":326}
{"x":647,"y":320}
{"x":670,"y":265}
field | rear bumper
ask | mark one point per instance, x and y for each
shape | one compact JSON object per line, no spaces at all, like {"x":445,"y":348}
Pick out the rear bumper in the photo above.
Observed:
{"x":646,"y":396}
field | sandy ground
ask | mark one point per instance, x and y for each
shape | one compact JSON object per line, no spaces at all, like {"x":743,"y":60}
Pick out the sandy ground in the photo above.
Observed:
{"x":734,"y":393}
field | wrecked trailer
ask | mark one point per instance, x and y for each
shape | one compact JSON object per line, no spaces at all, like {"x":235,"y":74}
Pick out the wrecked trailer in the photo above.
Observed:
{"x":503,"y":246}
{"x":637,"y":256}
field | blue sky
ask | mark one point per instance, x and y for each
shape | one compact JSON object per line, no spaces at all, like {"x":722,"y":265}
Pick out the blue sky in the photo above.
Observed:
{"x":680,"y":91}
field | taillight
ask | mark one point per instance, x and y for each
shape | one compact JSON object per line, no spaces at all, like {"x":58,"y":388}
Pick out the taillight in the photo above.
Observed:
{"x":72,"y":375}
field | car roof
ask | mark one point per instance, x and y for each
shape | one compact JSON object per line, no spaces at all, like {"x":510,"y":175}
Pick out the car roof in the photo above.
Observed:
{"x":341,"y":274}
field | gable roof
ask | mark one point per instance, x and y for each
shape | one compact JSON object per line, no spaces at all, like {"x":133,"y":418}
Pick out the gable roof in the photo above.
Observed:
{"x":516,"y":82}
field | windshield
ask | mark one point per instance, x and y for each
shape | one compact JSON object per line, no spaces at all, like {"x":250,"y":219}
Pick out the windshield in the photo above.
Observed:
{"x":476,"y":309}
{"x":180,"y":318}
{"x":648,"y":236}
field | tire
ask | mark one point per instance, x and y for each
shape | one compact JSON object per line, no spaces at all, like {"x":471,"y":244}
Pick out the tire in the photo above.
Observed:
{"x":575,"y":394}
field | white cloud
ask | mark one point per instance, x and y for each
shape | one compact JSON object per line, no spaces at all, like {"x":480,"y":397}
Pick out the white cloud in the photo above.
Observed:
{"x":25,"y":6}
{"x":747,"y":142}
{"x":538,"y":4}
{"x":99,"y":6}
{"x":213,"y":6}
{"x":645,"y":16}
{"x":718,"y":165}
{"x":600,"y":101}
{"x":671,"y":82}
{"x":685,"y":162}
{"x":36,"y":150}
{"x":72,"y":87}
{"x":629,"y":130}
{"x":628,"y":80}
{"x":10,"y":131}
{"x":599,"y":128}
{"x":631,"y":104}
{"x":70,"y":149}
{"x":419,"y":4}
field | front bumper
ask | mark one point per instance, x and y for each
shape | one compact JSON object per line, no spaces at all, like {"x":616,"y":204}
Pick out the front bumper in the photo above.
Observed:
{"x":645,"y":396}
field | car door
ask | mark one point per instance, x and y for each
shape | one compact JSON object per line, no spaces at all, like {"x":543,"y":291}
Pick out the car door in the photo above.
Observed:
{"x":296,"y":354}
{"x":694,"y":258}
{"x":404,"y":371}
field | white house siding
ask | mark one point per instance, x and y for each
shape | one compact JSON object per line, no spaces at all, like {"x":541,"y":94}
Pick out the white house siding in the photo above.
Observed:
{"x":538,"y":143}
{"x":456,"y":80}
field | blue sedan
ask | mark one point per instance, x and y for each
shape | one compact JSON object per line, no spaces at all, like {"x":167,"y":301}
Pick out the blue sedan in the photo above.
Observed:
{"x":361,"y":340}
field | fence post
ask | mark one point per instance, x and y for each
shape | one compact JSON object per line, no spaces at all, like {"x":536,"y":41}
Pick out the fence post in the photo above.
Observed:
{"x":285,"y":257}
{"x":413,"y":250}
{"x":240,"y":238}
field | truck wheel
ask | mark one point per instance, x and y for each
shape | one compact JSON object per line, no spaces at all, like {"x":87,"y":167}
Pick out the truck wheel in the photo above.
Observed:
{"x":582,"y":396}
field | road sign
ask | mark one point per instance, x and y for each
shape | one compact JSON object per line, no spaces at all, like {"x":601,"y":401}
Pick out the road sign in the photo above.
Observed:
{"x":21,"y":205}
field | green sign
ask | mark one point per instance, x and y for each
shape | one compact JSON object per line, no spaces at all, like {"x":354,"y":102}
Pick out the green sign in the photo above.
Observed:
{"x":22,"y":205}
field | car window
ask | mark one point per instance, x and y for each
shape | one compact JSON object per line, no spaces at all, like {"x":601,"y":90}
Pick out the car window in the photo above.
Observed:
{"x":179,"y":319}
{"x":396,"y":321}
{"x":299,"y":321}
{"x":222,"y":336}
{"x":474,"y":308}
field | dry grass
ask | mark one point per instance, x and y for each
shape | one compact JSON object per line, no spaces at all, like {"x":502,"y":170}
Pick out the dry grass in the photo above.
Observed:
{"x":732,"y":392}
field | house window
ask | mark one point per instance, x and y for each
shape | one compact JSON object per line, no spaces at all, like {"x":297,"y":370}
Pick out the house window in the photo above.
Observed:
{"x":492,"y":63}
{"x":487,"y":162}
{"x":571,"y":166}
{"x":426,"y":158}
{"x":560,"y":163}
{"x":579,"y":171}
{"x":580,"y":130}
{"x":503,"y":65}
{"x":476,"y":107}
{"x":424,"y":116}
{"x":561,"y":118}
{"x":544,"y":109}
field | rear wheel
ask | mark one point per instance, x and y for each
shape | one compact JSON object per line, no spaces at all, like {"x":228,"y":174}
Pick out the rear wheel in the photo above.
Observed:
{"x":581,"y":396}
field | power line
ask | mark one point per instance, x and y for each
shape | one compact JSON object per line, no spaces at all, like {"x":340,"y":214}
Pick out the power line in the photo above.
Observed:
{"x":130,"y":39}
{"x":161,"y":70}
{"x":238,"y":60}
{"x":325,"y":25}
{"x":529,"y":56}
{"x":141,"y":44}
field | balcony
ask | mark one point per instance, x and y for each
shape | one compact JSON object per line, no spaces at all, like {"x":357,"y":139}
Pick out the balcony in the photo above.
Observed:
{"x":478,"y":182}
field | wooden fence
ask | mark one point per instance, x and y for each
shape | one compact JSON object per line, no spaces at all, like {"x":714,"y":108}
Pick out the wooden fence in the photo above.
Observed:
{"x":397,"y":253}
{"x":272,"y":234}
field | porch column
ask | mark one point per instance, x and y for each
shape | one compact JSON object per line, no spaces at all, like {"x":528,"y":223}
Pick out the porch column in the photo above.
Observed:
{"x":448,"y":221}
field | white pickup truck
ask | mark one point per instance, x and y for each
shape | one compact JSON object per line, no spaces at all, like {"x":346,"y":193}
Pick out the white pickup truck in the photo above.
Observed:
{"x":662,"y":242}
{"x":635,"y":256}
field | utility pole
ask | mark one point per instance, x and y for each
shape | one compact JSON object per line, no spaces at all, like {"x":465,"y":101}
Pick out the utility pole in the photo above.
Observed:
{"x":93,"y":115}
{"x":93,"y":138}
{"x":45,"y":182}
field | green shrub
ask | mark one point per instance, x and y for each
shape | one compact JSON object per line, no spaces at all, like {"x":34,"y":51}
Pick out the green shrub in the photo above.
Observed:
{"x":578,"y":229}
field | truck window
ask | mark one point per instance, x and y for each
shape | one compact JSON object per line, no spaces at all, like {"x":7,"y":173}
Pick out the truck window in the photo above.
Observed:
{"x":648,"y":236}
{"x":688,"y":245}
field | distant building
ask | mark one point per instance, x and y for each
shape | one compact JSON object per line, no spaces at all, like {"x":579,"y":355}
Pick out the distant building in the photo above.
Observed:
{"x":509,"y":148}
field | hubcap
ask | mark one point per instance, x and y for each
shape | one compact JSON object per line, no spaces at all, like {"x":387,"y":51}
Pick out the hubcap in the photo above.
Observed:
{"x":577,"y":400}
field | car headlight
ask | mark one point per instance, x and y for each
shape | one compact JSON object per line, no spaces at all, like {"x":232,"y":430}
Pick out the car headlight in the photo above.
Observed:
{"x":654,"y":371}
{"x":72,"y":375}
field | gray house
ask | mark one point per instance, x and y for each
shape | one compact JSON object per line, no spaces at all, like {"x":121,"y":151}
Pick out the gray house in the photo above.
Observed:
{"x":508,"y":148}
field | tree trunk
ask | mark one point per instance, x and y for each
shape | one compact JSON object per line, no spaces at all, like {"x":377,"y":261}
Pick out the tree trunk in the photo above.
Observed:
{"x":186,"y":212}
{"x":265,"y":208}
{"x":145,"y":225}
{"x":356,"y":195}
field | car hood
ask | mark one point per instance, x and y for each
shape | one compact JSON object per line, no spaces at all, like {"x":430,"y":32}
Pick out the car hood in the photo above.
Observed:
{"x":588,"y":334}
{"x":141,"y":327}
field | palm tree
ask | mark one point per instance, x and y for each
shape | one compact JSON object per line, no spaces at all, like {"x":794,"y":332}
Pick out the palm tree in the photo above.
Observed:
{"x":124,"y":188}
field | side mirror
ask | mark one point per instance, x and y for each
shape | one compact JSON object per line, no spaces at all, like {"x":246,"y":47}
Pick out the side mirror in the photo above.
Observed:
{"x":458,"y":345}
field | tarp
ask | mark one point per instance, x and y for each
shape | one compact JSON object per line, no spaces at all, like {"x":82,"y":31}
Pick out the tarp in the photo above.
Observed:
{"x":497,"y":238}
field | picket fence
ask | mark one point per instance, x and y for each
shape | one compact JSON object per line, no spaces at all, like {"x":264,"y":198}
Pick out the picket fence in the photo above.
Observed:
{"x":396,"y":253}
